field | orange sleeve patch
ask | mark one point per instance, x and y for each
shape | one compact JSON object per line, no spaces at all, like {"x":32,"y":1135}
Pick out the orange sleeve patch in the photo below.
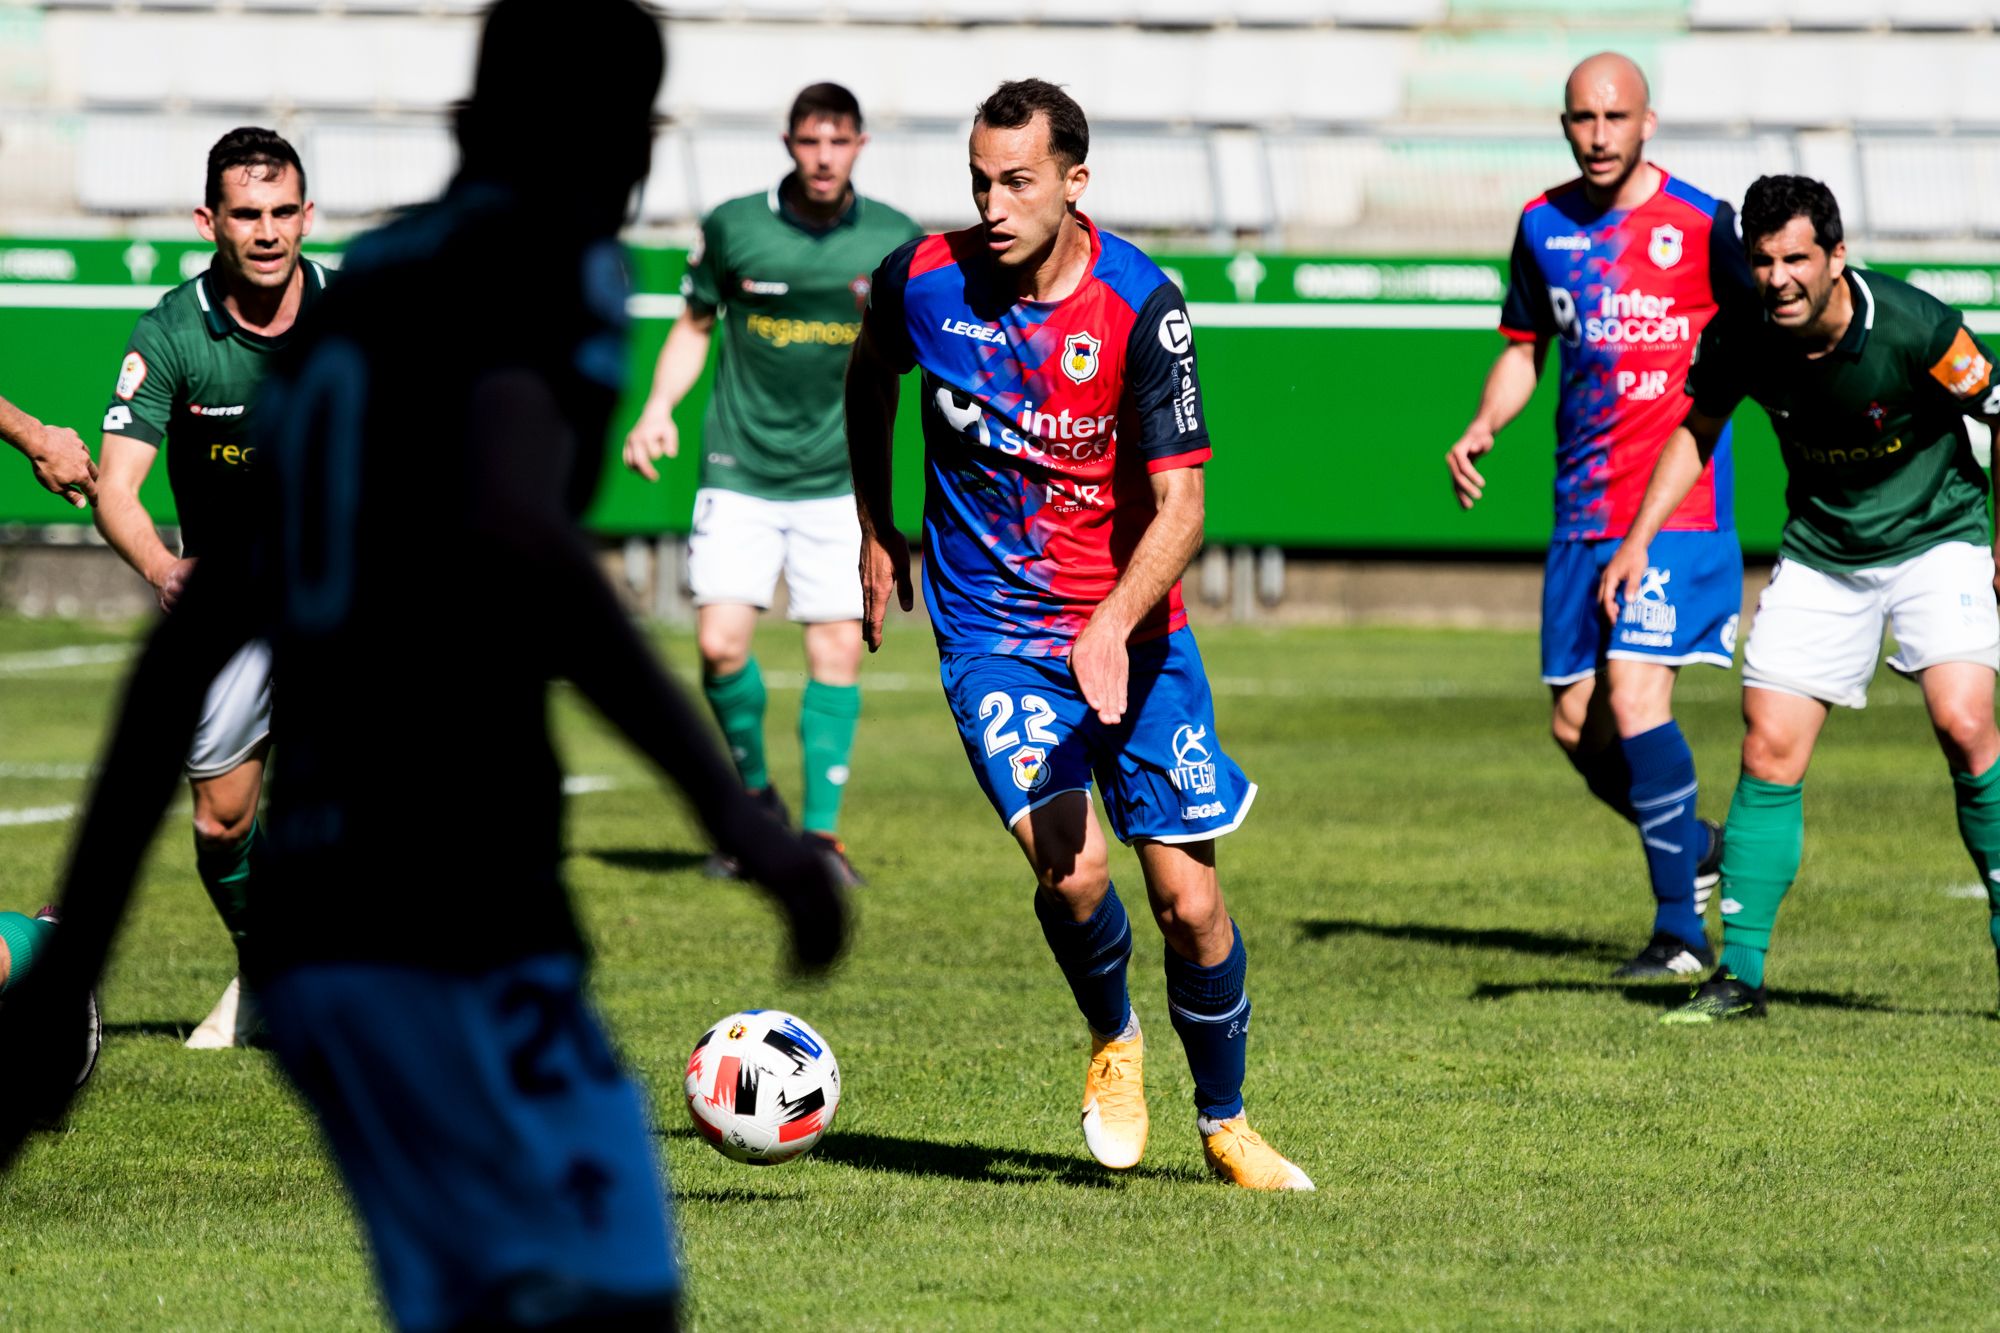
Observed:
{"x":1963,"y":370}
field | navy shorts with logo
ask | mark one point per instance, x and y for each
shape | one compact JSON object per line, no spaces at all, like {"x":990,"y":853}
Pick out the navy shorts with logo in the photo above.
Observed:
{"x":1030,"y":737}
{"x":1686,"y":610}
{"x":499,"y":1156}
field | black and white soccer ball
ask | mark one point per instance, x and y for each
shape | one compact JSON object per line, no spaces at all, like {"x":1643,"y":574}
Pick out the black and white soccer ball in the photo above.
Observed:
{"x":762,"y":1086}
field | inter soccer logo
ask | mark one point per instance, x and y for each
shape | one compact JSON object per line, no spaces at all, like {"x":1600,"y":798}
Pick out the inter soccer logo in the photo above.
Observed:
{"x":1079,"y":357}
{"x":1665,"y":247}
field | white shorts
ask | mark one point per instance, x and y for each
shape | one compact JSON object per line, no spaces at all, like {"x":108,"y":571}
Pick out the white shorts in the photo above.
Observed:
{"x":741,"y":542}
{"x":236,"y":715}
{"x":1819,"y":634}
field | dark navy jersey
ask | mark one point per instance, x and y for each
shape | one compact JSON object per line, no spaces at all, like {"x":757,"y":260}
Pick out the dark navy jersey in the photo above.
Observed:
{"x":399,"y":646}
{"x":1624,"y":295}
{"x":1042,"y":424}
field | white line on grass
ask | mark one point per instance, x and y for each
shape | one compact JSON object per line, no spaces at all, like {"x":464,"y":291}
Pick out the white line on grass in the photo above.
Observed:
{"x":583,"y":784}
{"x":1966,"y":891}
{"x":56,"y":659}
{"x":58,"y":772}
{"x":36,"y":814}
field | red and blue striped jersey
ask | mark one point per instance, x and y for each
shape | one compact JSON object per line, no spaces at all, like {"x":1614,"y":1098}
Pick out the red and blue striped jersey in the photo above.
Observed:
{"x":1042,"y":424}
{"x":1625,"y":296}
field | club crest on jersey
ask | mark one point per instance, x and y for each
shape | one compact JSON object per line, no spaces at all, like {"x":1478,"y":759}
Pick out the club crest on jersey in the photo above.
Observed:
{"x":1030,"y":766}
{"x":1665,"y":247}
{"x":1079,"y":357}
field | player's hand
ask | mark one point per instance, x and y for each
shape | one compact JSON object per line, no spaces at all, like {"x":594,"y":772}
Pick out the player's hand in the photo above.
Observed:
{"x":1466,"y":483}
{"x":885,"y":565}
{"x":1102,"y":668}
{"x":654,"y":435}
{"x":1621,"y":577}
{"x":173,"y":583}
{"x":798,"y":875}
{"x":62,"y":464}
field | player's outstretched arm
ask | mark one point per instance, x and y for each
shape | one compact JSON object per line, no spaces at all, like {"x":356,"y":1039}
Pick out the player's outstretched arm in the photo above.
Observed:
{"x":654,"y":435}
{"x":567,"y":608}
{"x":60,"y":458}
{"x":140,"y":774}
{"x":1098,"y":657}
{"x":1682,"y":458}
{"x":872,"y":389}
{"x":122,"y":518}
{"x":1509,"y":385}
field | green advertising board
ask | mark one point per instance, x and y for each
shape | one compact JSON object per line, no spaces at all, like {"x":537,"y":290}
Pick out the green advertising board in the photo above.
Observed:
{"x":1334,"y":385}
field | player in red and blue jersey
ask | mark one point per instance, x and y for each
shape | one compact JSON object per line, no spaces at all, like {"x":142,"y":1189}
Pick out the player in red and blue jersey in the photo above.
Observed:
{"x":1064,"y":433}
{"x":1622,"y":268}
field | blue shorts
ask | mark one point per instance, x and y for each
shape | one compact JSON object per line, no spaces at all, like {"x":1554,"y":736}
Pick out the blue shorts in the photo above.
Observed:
{"x":498,"y":1155}
{"x":1031,"y":737}
{"x":1686,"y":610}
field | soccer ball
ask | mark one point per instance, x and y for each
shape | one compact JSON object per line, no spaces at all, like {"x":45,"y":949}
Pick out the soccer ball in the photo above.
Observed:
{"x":762,"y":1087}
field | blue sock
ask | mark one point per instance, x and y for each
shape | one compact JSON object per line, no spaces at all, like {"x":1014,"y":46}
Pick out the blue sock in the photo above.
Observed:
{"x":1663,"y":791}
{"x":1609,"y":777}
{"x":1092,"y":955}
{"x":1212,"y":1015}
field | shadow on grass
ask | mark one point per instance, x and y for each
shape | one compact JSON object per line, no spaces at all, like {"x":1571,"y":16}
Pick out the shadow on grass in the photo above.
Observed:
{"x":958,"y":1161}
{"x":1665,"y":995}
{"x":1512,"y":941}
{"x":152,"y":1028}
{"x":650,"y":860}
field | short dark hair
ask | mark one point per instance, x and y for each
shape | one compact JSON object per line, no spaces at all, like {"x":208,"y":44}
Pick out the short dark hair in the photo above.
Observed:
{"x":250,"y":146}
{"x":1014,"y":104}
{"x":823,"y":101}
{"x":1773,"y":201}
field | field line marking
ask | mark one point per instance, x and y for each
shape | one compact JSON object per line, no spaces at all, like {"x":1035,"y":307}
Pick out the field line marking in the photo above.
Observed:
{"x":56,"y":659}
{"x":36,"y":814}
{"x":57,"y":772}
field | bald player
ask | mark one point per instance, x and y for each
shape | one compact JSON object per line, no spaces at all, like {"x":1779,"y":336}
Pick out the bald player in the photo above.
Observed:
{"x":1622,"y":268}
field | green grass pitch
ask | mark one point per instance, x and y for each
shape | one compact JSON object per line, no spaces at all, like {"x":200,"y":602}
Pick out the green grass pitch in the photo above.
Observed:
{"x":1501,"y":1136}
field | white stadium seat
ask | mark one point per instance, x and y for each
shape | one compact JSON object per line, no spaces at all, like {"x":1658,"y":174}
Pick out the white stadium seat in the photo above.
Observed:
{"x":146,"y":164}
{"x":362,"y":169}
{"x":1917,"y":187}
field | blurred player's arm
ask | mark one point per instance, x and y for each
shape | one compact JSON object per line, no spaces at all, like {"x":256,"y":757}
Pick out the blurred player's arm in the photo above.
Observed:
{"x":1098,"y":657}
{"x":882,"y":355}
{"x":121,"y":516}
{"x":140,"y":774}
{"x":1509,"y":385}
{"x":1528,"y":321}
{"x":59,"y":456}
{"x":683,"y":356}
{"x":654,"y":435}
{"x":528,"y":543}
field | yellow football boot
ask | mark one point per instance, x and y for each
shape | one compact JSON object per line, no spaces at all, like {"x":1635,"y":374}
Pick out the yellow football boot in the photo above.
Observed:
{"x":1239,"y":1155}
{"x":1114,"y":1099}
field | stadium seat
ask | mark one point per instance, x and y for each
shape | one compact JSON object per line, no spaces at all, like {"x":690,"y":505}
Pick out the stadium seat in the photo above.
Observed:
{"x":1735,"y":13}
{"x":1908,"y":82}
{"x":922,"y":173}
{"x":1943,"y":15}
{"x":135,"y":164}
{"x":1916,"y":188}
{"x":1387,"y":13}
{"x":1723,"y":168}
{"x":668,"y":197}
{"x":1154,"y":182}
{"x":1838,"y":14}
{"x":360,"y":169}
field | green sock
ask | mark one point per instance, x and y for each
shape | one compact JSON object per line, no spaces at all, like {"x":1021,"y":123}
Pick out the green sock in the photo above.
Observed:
{"x":225,"y":873}
{"x":1762,"y":846}
{"x":738,"y":703}
{"x":24,"y":936}
{"x":826,"y":733}
{"x":1979,"y":825}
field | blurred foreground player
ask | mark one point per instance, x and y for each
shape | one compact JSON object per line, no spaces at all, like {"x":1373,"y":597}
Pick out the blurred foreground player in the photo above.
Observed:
{"x":420,"y":969}
{"x":1624,"y":267}
{"x":1868,"y":382}
{"x":786,"y":271}
{"x":187,"y":384}
{"x":1064,"y":436}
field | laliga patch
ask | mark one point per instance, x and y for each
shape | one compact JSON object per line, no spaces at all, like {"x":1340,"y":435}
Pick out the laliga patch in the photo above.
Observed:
{"x":1963,"y":369}
{"x":1665,"y":247}
{"x":131,"y":375}
{"x":1030,"y":766}
{"x":1079,"y":357}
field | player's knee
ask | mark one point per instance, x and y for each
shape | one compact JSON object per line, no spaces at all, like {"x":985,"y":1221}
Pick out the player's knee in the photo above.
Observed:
{"x":724,"y":652}
{"x":1770,"y":755}
{"x":218,"y":831}
{"x":1077,"y":877}
{"x":1965,"y":732}
{"x":1567,"y":732}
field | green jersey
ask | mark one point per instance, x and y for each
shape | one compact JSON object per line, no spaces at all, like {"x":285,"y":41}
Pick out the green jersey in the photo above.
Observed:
{"x":790,"y":295}
{"x":1880,"y":468}
{"x":189,"y":376}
